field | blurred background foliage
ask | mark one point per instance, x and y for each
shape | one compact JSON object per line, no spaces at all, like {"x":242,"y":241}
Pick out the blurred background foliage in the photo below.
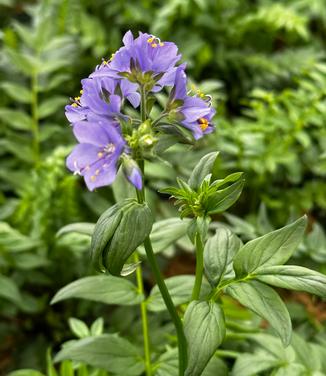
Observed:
{"x":263,"y":61}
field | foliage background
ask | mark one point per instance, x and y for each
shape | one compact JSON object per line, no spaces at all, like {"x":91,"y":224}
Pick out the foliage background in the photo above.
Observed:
{"x":263,"y":62}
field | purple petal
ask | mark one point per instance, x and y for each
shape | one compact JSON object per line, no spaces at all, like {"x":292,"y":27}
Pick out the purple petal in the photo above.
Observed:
{"x":74,"y":114}
{"x":83,"y":155}
{"x":101,"y":174}
{"x":134,"y":99}
{"x":135,"y":178}
{"x":91,"y":133}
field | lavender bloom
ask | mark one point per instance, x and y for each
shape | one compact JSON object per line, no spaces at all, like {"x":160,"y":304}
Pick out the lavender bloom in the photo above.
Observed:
{"x":148,"y":54}
{"x":97,"y":154}
{"x":192,"y":112}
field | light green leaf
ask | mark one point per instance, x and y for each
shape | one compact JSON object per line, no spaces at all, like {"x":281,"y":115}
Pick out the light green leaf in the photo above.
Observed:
{"x":79,"y":328}
{"x":252,"y":364}
{"x":204,"y":328}
{"x":97,"y":327}
{"x":108,"y":351}
{"x":102,"y":288}
{"x":16,"y":119}
{"x":167,"y":232}
{"x":273,"y":248}
{"x":25,"y":63}
{"x":83,"y":228}
{"x":51,"y":105}
{"x":293,"y":277}
{"x":266,"y":303}
{"x":25,"y":372}
{"x":179,"y":287}
{"x":12,"y":240}
{"x":218,"y":255}
{"x":9,"y":290}
{"x":17,"y":92}
{"x":203,"y":168}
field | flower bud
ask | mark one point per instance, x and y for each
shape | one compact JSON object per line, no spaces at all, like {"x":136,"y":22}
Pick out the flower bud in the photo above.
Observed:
{"x":117,"y":234}
{"x":132,"y":172}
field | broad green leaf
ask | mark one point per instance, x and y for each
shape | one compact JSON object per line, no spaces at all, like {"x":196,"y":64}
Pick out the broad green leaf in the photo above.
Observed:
{"x":78,"y":327}
{"x":216,"y":366}
{"x":292,"y":369}
{"x":13,"y":241}
{"x":167,"y":364}
{"x":16,"y":119}
{"x":84,"y":228}
{"x":202,"y":169}
{"x":266,"y":303}
{"x":204,"y":328}
{"x":218,"y":255}
{"x":302,"y":347}
{"x":274,"y":248}
{"x":17,"y":92}
{"x":222,"y":199}
{"x":24,"y":62}
{"x":179,"y":287}
{"x":9,"y":290}
{"x":293,"y":277}
{"x":102,"y":288}
{"x":253,"y":364}
{"x":108,"y":351}
{"x":51,"y":105}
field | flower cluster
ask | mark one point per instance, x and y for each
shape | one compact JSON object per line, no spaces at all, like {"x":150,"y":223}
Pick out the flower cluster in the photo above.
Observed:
{"x":142,"y":67}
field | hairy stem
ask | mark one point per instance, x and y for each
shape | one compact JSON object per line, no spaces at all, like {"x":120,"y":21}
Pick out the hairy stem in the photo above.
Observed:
{"x":199,"y":267}
{"x":143,"y":311}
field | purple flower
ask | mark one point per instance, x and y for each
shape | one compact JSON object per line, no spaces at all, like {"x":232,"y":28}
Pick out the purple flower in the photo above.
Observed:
{"x":97,"y":154}
{"x":144,"y":54}
{"x":192,"y":112}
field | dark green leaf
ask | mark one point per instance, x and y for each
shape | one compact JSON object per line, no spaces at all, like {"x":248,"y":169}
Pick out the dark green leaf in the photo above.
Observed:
{"x":271,"y":249}
{"x":204,"y":328}
{"x":266,"y":303}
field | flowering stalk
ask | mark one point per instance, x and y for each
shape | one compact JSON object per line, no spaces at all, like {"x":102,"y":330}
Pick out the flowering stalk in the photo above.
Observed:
{"x":144,"y":319}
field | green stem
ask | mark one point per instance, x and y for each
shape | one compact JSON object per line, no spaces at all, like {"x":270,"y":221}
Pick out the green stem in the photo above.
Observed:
{"x":143,"y":311}
{"x":182,"y":343}
{"x":163,"y":115}
{"x":199,"y":267}
{"x":35,"y":120}
{"x":143,"y":103}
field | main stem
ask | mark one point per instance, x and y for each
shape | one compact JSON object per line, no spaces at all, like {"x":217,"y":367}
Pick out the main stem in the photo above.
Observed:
{"x":143,"y":311}
{"x":35,"y":120}
{"x":182,"y":343}
{"x":199,"y":267}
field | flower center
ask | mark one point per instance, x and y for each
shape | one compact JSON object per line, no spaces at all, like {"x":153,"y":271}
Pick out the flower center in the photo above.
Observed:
{"x":203,"y":123}
{"x":154,"y":41}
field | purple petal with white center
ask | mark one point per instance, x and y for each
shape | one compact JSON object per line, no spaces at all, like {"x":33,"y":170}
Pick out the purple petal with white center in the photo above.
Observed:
{"x":83,"y":155}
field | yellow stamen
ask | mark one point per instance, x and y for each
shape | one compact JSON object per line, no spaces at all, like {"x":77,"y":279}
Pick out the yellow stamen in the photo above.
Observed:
{"x":100,"y":154}
{"x":77,"y":98}
{"x":161,"y":44}
{"x":203,"y":123}
{"x":74,"y":105}
{"x":81,"y":91}
{"x":150,"y":40}
{"x":105,"y":62}
{"x":93,"y":178}
{"x":154,"y":45}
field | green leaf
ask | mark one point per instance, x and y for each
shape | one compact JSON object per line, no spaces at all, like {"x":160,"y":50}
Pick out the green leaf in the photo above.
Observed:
{"x":102,"y":288}
{"x":117,"y":234}
{"x":215,"y":367}
{"x":253,"y":364}
{"x":17,"y":92}
{"x":79,"y":328}
{"x":12,"y":240}
{"x":167,"y":364}
{"x":273,"y":248}
{"x":167,"y":232}
{"x":108,"y":351}
{"x":16,"y":119}
{"x":26,"y":372}
{"x":9,"y":290}
{"x":97,"y":327}
{"x":83,"y":228}
{"x":293,"y":277}
{"x":25,"y":63}
{"x":203,"y":168}
{"x":179,"y":287}
{"x":221,"y":200}
{"x":66,"y":368}
{"x":204,"y":328}
{"x":266,"y":303}
{"x":218,"y":255}
{"x":51,"y":105}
